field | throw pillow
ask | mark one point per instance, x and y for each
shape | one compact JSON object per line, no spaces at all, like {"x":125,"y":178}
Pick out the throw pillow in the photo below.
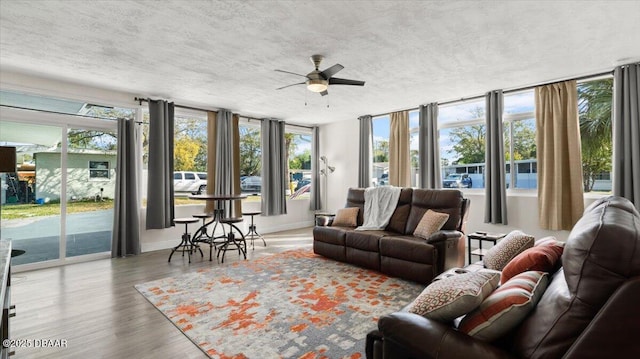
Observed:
{"x":454,"y":296}
{"x":346,"y":217}
{"x":430,"y":223}
{"x":544,"y":258}
{"x":510,"y":246}
{"x":506,"y":307}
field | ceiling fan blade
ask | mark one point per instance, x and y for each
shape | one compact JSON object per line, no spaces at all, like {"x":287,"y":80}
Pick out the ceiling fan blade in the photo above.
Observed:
{"x":327,"y":73}
{"x":324,"y":93}
{"x":283,"y":87}
{"x":337,"y":81}
{"x":292,"y":73}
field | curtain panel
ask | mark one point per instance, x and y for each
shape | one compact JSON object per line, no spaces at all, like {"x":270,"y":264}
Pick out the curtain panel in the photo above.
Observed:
{"x":560,"y":188}
{"x":227,"y":155}
{"x":365,"y":158}
{"x":399,"y":158}
{"x":275,"y":178}
{"x":429,"y":147}
{"x":211,"y":158}
{"x":316,"y":202}
{"x":626,"y":132}
{"x":160,"y":211}
{"x":495,"y":184}
{"x":126,"y":218}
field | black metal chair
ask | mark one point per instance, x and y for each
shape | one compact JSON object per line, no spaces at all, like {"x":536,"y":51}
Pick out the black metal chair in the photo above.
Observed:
{"x":253,"y":233}
{"x":187,"y":244}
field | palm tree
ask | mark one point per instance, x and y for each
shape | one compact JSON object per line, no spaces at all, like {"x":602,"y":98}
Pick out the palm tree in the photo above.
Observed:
{"x":594,"y":109}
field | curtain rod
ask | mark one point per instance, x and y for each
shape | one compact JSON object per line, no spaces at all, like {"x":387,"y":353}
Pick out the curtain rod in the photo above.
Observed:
{"x":462,"y":99}
{"x":141,"y":100}
{"x":60,"y":113}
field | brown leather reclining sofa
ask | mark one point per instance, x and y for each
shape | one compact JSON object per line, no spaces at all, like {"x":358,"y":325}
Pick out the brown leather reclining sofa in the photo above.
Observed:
{"x":395,"y":250}
{"x":591,"y":308}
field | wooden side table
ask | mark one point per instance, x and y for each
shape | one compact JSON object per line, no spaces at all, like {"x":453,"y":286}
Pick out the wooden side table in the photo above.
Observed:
{"x":481,"y":237}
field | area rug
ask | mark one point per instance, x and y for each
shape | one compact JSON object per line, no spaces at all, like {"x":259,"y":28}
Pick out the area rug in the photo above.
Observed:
{"x":294,"y":304}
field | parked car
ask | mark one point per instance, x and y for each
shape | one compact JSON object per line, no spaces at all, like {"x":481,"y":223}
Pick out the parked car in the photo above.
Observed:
{"x":302,"y":183}
{"x":190,"y":182}
{"x":457,"y":180}
{"x":251,"y":184}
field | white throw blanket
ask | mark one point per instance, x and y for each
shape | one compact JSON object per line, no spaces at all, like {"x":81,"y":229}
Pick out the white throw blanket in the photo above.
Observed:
{"x":379,"y":204}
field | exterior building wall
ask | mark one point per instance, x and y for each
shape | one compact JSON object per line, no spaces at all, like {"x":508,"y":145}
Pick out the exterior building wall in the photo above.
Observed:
{"x":80,"y":185}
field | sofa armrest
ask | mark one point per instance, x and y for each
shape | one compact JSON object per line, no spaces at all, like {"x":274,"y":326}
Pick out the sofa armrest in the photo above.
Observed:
{"x":444,"y":235}
{"x":418,"y":337}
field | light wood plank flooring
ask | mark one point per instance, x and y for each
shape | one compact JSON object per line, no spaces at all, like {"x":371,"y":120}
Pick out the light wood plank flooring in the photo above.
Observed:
{"x":95,"y":307}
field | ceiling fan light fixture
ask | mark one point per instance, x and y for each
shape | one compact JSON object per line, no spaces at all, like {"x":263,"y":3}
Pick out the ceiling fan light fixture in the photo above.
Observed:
{"x":317,"y":85}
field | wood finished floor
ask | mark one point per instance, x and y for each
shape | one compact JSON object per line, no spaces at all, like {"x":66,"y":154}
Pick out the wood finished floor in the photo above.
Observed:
{"x":95,"y":307}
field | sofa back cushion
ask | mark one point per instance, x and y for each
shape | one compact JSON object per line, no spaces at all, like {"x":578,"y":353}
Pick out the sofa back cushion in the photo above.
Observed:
{"x":439,"y":200}
{"x":601,"y":253}
{"x":355,"y":198}
{"x":398,"y":220}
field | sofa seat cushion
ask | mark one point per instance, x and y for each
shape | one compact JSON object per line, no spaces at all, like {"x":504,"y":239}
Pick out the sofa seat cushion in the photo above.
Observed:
{"x":409,"y":248}
{"x":365,"y":240}
{"x":332,"y":235}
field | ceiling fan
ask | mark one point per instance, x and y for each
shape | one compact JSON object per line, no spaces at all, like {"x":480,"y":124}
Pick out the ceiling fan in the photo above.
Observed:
{"x":319,"y":81}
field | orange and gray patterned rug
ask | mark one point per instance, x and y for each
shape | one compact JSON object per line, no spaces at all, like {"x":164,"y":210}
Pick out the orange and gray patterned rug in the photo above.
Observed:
{"x":294,"y":304}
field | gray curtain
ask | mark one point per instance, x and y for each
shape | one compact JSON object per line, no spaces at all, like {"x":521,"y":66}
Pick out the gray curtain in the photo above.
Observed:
{"x":227,"y":154}
{"x":315,"y":170}
{"x":160,"y":174}
{"x":365,"y":155}
{"x":126,"y":221}
{"x":275,"y":178}
{"x":429,"y":147}
{"x":495,"y":192}
{"x":626,"y":132}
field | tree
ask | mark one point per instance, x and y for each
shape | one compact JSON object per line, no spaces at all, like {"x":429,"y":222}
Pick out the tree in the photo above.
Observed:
{"x":301,"y":161}
{"x":469,"y":141}
{"x":381,"y":151}
{"x":594,"y":110}
{"x":184,"y":154}
{"x":250,"y":151}
{"x":524,"y":140}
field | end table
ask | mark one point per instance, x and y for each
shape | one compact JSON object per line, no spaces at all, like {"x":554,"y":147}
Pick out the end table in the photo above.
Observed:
{"x":481,"y":237}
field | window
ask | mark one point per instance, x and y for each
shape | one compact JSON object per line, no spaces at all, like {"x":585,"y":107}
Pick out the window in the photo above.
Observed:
{"x":594,"y":113}
{"x":250,"y":159}
{"x":414,"y":152}
{"x":380,"y":171}
{"x":99,"y":170}
{"x":462,"y":136}
{"x":519,"y":127}
{"x":298,"y":143}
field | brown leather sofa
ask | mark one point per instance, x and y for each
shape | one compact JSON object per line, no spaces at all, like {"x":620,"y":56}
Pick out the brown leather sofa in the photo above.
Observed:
{"x":395,"y":251}
{"x":591,"y":308}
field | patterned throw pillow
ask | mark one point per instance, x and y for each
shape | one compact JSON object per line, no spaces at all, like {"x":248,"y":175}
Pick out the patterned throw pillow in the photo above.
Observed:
{"x":510,"y":246}
{"x":454,"y":296}
{"x":430,"y":223}
{"x":346,"y":217}
{"x":542,"y":258}
{"x":505,"y":308}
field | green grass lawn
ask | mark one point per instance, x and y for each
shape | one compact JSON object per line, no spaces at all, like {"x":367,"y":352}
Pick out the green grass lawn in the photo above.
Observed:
{"x":19,"y":211}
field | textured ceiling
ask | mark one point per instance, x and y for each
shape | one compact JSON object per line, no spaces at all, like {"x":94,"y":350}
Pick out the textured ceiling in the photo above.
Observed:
{"x":223,"y":54}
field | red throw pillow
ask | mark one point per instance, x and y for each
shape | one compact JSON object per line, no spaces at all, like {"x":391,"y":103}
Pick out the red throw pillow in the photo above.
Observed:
{"x":538,"y":258}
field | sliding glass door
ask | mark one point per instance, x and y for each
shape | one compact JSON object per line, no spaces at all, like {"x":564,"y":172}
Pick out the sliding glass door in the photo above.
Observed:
{"x":63,"y":188}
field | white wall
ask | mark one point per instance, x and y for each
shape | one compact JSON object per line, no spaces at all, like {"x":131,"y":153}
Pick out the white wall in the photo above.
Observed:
{"x":339,"y":142}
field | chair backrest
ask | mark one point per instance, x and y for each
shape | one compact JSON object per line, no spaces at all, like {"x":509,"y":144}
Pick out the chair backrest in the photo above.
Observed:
{"x":601,"y":256}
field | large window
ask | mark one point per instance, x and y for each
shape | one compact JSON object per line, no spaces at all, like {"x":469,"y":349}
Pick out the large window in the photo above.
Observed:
{"x":250,"y":159}
{"x":462,"y":144}
{"x":298,"y":143}
{"x":594,"y":111}
{"x":380,"y":171}
{"x":519,"y":127}
{"x":414,"y":134}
